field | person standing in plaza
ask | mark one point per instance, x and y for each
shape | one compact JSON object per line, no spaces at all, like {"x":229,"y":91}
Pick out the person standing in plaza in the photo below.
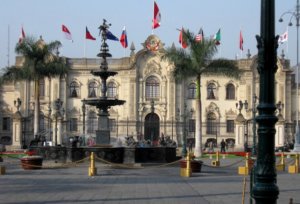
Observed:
{"x":223,"y":145}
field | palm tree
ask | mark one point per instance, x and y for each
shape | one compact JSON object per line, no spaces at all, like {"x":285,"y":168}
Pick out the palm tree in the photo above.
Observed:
{"x":40,"y":62}
{"x":198,"y":60}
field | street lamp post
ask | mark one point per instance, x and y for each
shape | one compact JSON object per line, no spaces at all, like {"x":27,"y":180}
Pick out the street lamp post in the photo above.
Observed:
{"x":265,"y":189}
{"x":254,"y":111}
{"x":295,"y":15}
{"x":127,"y":127}
{"x":240,"y":106}
{"x":83,"y":116}
{"x":49,"y":122}
{"x":58,"y":104}
{"x":185,"y":115}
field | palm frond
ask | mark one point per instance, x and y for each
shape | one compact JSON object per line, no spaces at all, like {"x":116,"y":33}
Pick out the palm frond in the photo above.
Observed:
{"x":40,"y":61}
{"x":223,"y":67}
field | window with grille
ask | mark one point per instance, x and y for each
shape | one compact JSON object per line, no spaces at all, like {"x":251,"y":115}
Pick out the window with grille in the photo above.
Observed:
{"x":73,"y":124}
{"x":42,"y":87}
{"x":111,"y":90}
{"x":192,"y":125}
{"x":92,"y":89}
{"x":192,"y":91}
{"x":211,"y":91}
{"x":152,"y":88}
{"x":211,"y":124}
{"x":230,"y":126}
{"x":6,"y":124}
{"x":230,"y":91}
{"x":74,"y":89}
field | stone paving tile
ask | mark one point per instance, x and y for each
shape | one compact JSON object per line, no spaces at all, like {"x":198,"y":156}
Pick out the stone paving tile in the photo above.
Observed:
{"x":148,"y":185}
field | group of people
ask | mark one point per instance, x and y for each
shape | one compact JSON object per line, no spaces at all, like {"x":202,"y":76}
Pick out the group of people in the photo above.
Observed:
{"x":210,"y":145}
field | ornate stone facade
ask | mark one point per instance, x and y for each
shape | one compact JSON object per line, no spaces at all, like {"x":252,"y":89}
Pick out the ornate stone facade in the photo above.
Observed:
{"x":155,"y":102}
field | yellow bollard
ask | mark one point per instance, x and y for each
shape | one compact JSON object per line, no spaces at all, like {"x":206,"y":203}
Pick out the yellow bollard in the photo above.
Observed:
{"x":217,"y":161}
{"x":187,"y":171}
{"x":294,"y":169}
{"x":2,"y":170}
{"x":92,"y":168}
{"x":281,"y":166}
{"x":244,"y":170}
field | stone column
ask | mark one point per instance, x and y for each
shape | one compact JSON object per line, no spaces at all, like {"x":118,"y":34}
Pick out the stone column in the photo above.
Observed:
{"x":279,"y":135}
{"x":239,"y":132}
{"x":17,"y":131}
{"x":59,"y":130}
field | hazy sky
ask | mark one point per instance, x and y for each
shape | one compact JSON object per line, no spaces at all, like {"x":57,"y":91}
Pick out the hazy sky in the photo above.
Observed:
{"x":40,"y":17}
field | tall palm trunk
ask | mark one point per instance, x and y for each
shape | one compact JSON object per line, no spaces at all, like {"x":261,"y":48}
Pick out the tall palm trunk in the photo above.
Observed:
{"x":198,"y":138}
{"x":36,"y":108}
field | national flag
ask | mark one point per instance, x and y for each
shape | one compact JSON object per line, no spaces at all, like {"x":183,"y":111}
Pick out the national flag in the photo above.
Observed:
{"x":22,"y":35}
{"x":182,"y":39}
{"x":283,"y":38}
{"x":157,"y":17}
{"x":217,"y":37}
{"x":241,"y":41}
{"x":111,"y":36}
{"x":67,"y":33}
{"x":88,"y":34}
{"x":199,"y":37}
{"x":123,"y":38}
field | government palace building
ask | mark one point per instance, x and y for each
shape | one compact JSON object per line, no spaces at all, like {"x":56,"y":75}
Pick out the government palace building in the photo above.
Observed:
{"x":156,"y":105}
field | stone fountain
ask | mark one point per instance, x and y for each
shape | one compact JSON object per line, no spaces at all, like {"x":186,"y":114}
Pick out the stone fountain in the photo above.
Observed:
{"x":103,"y":103}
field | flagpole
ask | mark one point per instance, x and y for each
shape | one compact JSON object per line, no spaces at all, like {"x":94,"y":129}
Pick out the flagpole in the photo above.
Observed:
{"x":8,"y":42}
{"x":287,"y":43}
{"x":84,"y":47}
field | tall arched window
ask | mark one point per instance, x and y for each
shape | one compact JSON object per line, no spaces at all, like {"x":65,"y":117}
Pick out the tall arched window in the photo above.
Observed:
{"x":192,"y":91}
{"x":92,"y":89}
{"x":152,"y":87}
{"x":111,"y":90}
{"x":211,"y":91}
{"x":211,"y":124}
{"x":74,"y":89}
{"x":230,"y":91}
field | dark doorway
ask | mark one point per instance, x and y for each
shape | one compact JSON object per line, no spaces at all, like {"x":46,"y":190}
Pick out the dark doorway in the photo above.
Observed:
{"x":152,"y":128}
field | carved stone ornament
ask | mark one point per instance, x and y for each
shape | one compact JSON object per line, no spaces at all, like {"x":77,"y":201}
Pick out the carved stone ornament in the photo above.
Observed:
{"x":213,"y":108}
{"x":153,"y":43}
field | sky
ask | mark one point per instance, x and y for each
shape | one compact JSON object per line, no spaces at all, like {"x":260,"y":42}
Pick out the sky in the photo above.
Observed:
{"x":45,"y":18}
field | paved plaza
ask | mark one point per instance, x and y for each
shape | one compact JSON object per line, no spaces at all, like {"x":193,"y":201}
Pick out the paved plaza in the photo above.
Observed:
{"x":149,"y":184}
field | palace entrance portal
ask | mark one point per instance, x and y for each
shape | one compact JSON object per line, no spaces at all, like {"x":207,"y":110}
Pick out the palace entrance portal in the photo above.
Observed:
{"x":151,"y":127}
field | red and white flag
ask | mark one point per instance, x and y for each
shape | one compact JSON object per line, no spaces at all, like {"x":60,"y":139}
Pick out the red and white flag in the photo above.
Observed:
{"x":182,"y":39}
{"x":66,"y":32}
{"x":22,"y":35}
{"x":157,"y":17}
{"x":283,"y":38}
{"x":241,"y":41}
